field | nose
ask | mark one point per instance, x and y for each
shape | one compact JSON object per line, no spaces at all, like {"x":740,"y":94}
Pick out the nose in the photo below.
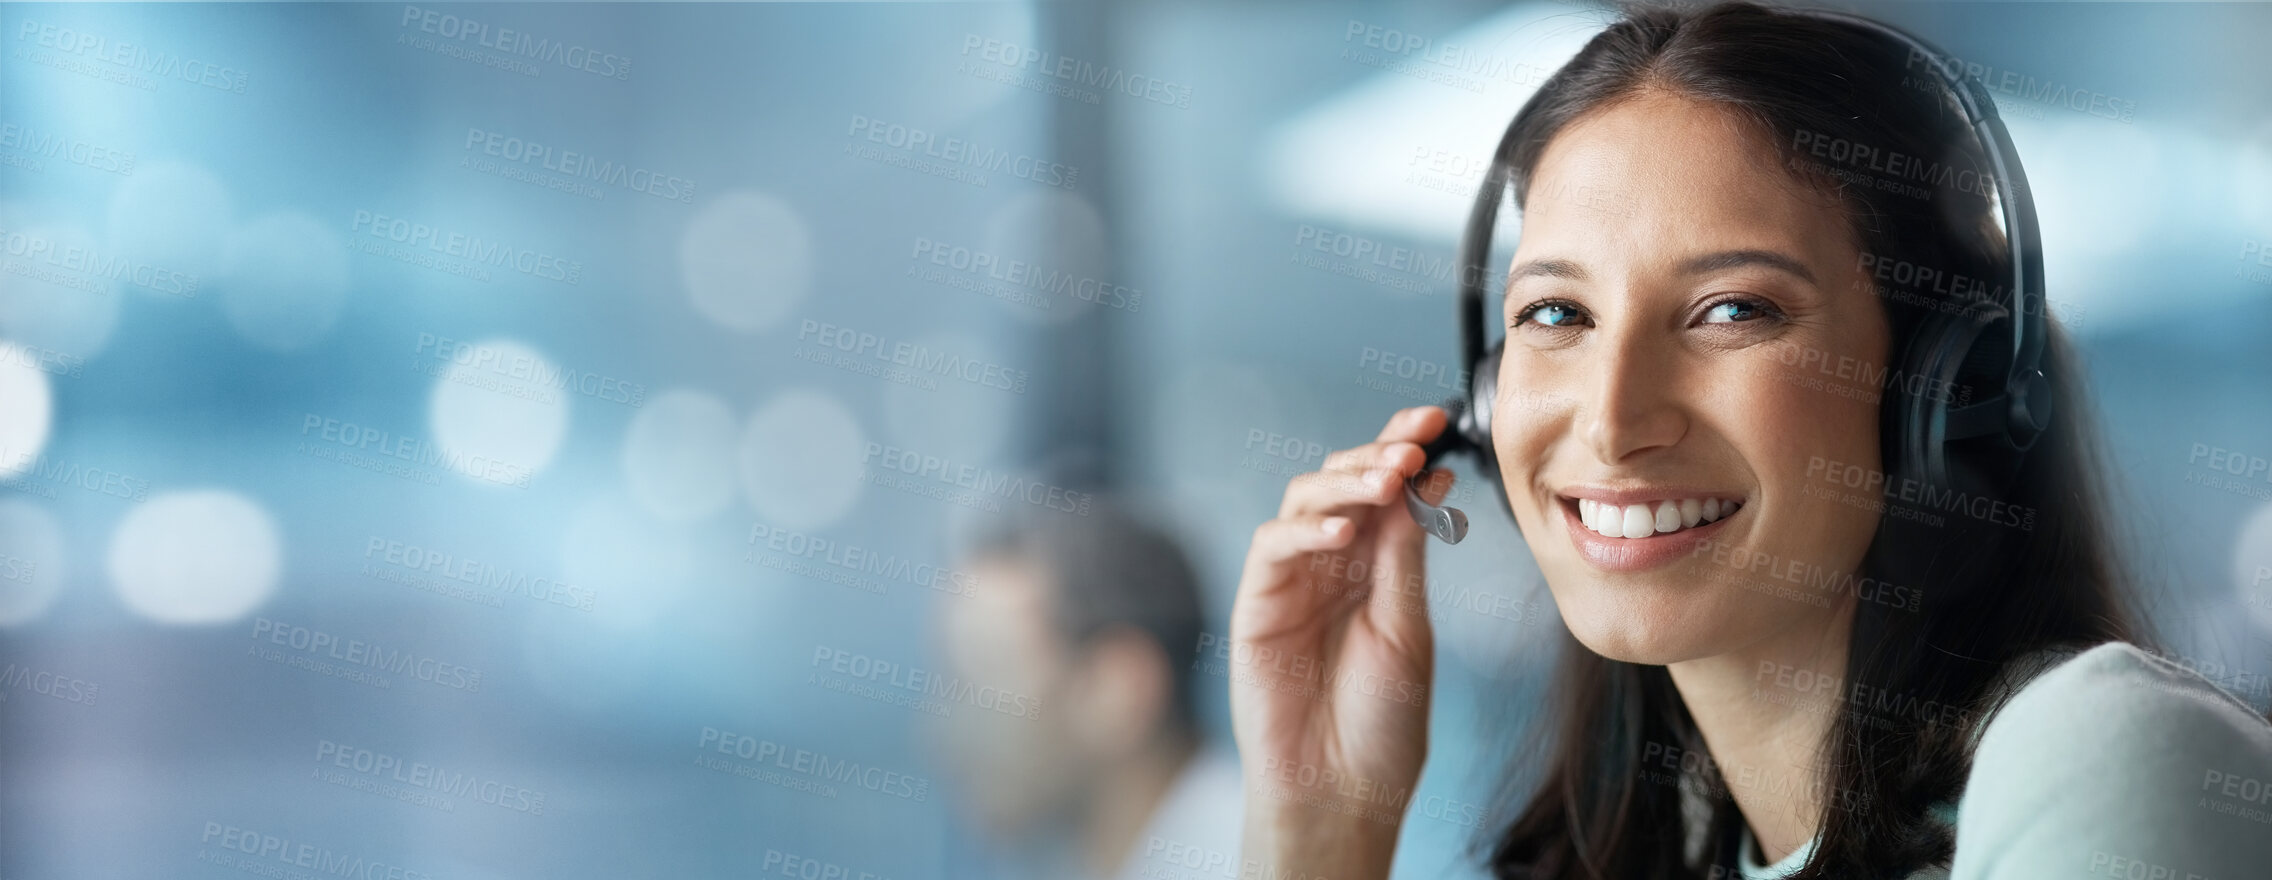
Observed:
{"x":1634,"y":404}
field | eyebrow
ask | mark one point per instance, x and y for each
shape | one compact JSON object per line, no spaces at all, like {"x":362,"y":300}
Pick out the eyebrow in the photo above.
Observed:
{"x":1699,"y":265}
{"x":1736,"y":259}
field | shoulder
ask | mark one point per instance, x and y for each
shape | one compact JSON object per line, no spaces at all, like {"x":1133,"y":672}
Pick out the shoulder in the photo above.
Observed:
{"x":1195,"y":828}
{"x":2116,"y":761}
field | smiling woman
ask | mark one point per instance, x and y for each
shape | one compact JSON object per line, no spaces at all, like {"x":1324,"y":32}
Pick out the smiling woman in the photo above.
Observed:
{"x":1773,"y":662}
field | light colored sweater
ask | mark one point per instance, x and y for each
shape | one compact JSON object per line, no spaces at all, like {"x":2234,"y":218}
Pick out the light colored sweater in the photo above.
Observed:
{"x":2112,"y":764}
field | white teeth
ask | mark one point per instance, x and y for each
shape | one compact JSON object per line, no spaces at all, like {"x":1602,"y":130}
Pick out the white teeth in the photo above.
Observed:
{"x":1638,"y":522}
{"x":1643,"y":520}
{"x":1668,"y":516}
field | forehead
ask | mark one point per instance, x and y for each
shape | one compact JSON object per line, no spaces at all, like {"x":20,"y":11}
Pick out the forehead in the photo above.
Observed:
{"x":1658,"y":175}
{"x":1012,"y":592}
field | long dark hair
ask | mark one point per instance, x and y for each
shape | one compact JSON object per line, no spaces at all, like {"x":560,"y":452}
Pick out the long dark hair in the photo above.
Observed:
{"x":1994,"y":584}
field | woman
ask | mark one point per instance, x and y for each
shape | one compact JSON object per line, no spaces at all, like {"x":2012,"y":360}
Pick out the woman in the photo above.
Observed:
{"x":1768,"y":667}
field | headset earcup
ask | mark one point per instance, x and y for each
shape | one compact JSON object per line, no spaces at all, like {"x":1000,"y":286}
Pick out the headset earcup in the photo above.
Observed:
{"x":1475,"y":425}
{"x":1951,"y":361}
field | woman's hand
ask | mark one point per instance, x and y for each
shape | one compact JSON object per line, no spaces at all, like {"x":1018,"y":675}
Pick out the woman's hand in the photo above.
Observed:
{"x":1331,"y":658}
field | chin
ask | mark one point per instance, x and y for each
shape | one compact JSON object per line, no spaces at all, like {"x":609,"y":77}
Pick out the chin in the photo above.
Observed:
{"x":1648,"y":625}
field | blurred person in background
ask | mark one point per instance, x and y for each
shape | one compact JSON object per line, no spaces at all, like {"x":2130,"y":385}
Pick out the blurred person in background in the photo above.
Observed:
{"x":1094,"y":622}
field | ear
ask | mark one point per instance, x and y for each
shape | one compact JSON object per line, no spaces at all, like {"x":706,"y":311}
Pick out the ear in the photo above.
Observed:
{"x":1119,"y":695}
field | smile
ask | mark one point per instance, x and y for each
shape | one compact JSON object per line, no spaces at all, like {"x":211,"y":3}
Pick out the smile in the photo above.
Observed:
{"x":1645,"y":518}
{"x":1616,"y":531}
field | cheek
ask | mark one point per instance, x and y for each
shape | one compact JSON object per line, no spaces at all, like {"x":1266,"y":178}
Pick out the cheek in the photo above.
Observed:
{"x":1799,"y":436}
{"x":1521,"y":447}
{"x":1791,"y":414}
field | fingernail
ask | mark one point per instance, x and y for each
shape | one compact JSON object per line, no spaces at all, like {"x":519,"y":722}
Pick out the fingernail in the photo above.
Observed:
{"x":1376,"y":478}
{"x":1333,"y":525}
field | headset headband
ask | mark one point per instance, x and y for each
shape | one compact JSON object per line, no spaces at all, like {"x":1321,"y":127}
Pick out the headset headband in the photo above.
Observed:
{"x":2022,"y":411}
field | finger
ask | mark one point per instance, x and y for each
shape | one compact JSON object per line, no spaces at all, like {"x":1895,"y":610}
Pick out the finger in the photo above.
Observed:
{"x":1396,"y":455}
{"x":1284,"y":542}
{"x":1419,"y":424}
{"x":1435,"y":485}
{"x":1398,"y":605}
{"x":1323,"y":493}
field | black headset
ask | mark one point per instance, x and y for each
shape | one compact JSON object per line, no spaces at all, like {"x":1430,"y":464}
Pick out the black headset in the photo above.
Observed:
{"x":1945,"y":349}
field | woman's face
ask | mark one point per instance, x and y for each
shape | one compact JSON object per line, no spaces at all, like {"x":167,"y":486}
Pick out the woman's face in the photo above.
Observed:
{"x":1687,"y":324}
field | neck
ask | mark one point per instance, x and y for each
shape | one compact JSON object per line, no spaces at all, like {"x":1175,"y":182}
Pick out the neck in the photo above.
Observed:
{"x":1765,"y":712}
{"x":1125,"y":798}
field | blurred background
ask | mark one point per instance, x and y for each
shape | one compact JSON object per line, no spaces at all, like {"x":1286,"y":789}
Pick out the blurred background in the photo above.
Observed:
{"x":472,"y":441}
